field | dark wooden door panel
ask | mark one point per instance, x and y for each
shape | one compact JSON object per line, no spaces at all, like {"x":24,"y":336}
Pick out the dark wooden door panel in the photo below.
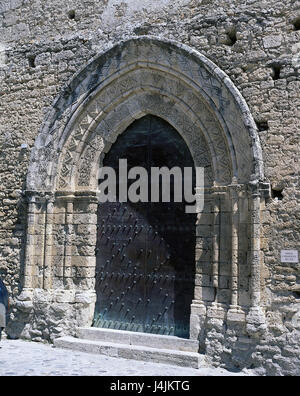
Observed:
{"x":145,"y":251}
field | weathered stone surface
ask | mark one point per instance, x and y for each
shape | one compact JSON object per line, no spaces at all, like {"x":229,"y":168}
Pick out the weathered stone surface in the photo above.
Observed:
{"x":272,"y":41}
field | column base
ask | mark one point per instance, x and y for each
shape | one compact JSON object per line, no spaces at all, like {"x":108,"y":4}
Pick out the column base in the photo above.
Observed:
{"x":197,"y":319}
{"x":256,"y":322}
{"x":236,"y":314}
{"x":217,"y":311}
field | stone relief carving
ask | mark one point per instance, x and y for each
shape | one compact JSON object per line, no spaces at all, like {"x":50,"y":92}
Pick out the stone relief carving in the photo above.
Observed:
{"x":182,"y":62}
{"x":95,"y":146}
{"x":112,"y":113}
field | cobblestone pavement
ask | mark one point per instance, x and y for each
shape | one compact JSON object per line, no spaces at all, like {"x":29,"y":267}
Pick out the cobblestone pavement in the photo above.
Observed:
{"x":25,"y":358}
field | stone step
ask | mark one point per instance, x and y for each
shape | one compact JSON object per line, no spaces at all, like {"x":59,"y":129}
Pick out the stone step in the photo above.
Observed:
{"x":137,"y":338}
{"x":134,"y":352}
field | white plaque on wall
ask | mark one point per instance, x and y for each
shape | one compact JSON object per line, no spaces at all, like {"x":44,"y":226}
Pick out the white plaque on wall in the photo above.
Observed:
{"x":289,"y":256}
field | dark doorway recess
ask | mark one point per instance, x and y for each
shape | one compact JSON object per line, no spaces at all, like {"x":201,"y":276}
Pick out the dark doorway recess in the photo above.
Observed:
{"x":145,"y":273}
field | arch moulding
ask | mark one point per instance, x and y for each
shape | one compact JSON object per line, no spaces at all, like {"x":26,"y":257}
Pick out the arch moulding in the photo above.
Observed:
{"x":146,"y":75}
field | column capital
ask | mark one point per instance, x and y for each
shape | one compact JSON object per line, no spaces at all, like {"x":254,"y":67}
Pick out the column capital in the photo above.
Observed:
{"x":38,"y":196}
{"x":257,"y":188}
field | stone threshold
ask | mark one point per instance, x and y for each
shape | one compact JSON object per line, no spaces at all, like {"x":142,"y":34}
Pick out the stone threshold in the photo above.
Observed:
{"x":136,"y":346}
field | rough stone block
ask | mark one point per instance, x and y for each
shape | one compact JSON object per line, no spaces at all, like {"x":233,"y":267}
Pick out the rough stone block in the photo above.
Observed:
{"x":84,"y":261}
{"x":204,"y":293}
{"x":272,"y":41}
{"x":84,"y":218}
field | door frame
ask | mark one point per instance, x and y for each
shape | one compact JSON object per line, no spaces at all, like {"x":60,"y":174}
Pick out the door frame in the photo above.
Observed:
{"x":144,"y":75}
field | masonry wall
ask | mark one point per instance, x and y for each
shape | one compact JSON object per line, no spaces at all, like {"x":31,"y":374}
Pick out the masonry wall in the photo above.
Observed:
{"x":43,"y":43}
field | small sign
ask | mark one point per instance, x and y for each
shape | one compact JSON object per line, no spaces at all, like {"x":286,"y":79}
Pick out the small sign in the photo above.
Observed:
{"x":289,"y":256}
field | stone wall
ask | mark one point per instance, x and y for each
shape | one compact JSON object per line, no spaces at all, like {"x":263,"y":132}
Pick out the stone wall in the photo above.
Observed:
{"x":44,"y":43}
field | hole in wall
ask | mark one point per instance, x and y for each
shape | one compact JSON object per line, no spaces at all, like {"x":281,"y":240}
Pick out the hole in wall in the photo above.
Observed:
{"x":262,"y":125}
{"x":231,"y":34}
{"x":71,"y":14}
{"x":31,"y":60}
{"x":296,"y":294}
{"x":277,"y":193}
{"x":296,"y":23}
{"x":276,"y":72}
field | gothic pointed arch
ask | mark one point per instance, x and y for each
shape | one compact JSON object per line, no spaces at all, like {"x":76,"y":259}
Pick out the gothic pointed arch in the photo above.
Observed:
{"x":136,"y":77}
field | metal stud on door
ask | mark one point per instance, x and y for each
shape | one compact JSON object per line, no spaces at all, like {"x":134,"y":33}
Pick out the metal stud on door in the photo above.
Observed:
{"x":146,"y":250}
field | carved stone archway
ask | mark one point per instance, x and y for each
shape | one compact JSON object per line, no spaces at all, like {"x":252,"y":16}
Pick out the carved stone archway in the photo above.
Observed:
{"x":137,"y":77}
